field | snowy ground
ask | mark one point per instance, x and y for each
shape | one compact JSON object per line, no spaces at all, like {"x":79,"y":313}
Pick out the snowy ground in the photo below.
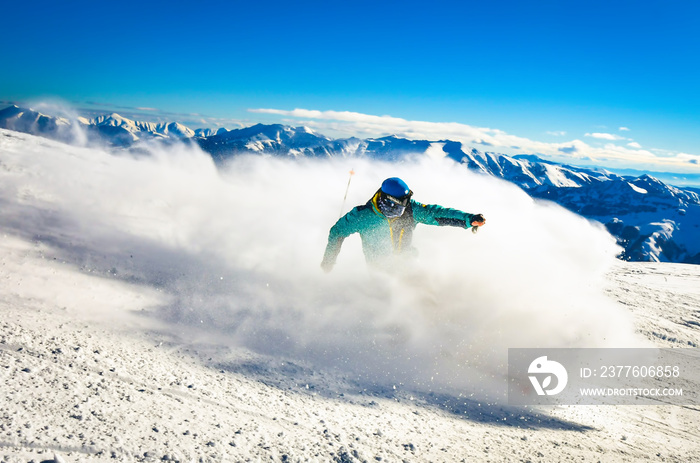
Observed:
{"x":91,"y":370}
{"x":79,"y":388}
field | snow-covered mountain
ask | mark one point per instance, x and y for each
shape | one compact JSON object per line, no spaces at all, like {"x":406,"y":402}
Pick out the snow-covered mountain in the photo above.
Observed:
{"x":112,"y":129}
{"x":651,"y":220}
{"x":123,"y":131}
{"x":30,"y":121}
{"x":272,"y":139}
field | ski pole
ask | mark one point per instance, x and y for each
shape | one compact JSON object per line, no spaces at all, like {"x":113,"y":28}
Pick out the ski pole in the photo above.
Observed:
{"x":342,"y":206}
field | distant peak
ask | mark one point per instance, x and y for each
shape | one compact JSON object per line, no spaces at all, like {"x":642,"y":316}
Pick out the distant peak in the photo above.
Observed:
{"x":390,"y":137}
{"x":648,"y":178}
{"x":14,"y":109}
{"x":533,"y":158}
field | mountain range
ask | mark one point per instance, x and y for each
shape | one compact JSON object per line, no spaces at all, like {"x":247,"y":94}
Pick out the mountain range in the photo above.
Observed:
{"x":652,"y":221}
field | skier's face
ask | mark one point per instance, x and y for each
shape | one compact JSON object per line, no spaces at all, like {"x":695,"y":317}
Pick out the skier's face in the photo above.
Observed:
{"x":390,"y":206}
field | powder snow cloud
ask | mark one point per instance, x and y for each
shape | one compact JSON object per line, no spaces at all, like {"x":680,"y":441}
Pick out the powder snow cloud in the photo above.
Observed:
{"x":235,"y":251}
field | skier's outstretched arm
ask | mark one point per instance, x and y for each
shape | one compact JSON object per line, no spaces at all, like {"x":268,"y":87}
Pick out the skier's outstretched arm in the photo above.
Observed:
{"x":344,"y":227}
{"x":432,"y":214}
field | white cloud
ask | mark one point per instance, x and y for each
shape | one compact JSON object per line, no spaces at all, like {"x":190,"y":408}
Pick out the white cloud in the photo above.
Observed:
{"x":623,"y":129}
{"x":367,"y":126}
{"x":634,"y":144}
{"x":605,"y":136}
{"x":560,"y":133}
{"x":689,"y":158}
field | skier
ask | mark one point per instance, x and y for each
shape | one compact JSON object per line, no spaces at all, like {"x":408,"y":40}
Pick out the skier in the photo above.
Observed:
{"x":386,"y":224}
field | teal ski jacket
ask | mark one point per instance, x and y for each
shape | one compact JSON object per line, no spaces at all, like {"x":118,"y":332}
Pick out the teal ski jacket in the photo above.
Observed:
{"x":383,"y":237}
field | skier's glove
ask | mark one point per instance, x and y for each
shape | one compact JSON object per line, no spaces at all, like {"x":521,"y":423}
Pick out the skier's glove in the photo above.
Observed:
{"x":477,"y":220}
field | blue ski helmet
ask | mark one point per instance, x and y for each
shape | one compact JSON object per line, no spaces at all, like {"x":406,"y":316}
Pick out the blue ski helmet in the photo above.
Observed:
{"x":393,"y":197}
{"x":395,"y":187}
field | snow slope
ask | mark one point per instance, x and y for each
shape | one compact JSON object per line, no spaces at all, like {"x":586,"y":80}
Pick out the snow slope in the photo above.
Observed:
{"x":156,"y":308}
{"x":75,"y":386}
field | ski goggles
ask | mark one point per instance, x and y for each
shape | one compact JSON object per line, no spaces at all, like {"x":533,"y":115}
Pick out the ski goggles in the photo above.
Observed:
{"x":391,"y":206}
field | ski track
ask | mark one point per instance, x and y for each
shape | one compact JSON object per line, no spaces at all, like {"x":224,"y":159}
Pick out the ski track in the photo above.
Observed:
{"x":663,"y":298}
{"x":81,"y":389}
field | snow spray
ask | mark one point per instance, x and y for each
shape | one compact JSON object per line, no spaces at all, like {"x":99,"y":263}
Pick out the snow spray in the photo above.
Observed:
{"x":237,"y":249}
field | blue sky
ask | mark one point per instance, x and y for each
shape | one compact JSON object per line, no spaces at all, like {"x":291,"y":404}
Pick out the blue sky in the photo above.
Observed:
{"x":614,"y":83}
